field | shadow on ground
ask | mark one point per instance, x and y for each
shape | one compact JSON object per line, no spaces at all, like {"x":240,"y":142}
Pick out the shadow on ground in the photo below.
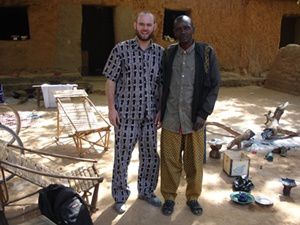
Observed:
{"x":240,"y":108}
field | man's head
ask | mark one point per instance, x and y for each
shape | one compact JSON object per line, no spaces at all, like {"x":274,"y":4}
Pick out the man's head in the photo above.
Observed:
{"x":145,"y":26}
{"x":184,"y":30}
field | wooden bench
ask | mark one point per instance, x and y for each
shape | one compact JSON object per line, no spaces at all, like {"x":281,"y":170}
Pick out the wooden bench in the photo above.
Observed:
{"x":39,"y":220}
{"x":32,"y":167}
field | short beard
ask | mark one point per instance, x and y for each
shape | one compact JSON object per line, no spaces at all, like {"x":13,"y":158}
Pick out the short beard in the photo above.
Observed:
{"x":144,"y":39}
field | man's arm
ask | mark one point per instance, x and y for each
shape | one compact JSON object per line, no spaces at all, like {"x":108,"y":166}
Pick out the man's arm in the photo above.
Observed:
{"x":215,"y":79}
{"x":158,"y":121}
{"x":158,"y":118}
{"x":209,"y":102}
{"x":112,"y":112}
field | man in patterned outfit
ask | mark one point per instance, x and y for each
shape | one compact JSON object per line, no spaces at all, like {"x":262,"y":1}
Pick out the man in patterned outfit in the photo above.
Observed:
{"x":133,"y":72}
{"x":190,"y":88}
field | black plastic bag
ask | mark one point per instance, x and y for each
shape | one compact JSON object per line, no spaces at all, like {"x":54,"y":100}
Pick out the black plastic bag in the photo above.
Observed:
{"x":242,"y":183}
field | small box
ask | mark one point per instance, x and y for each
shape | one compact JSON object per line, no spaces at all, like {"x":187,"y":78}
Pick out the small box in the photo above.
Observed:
{"x":236,"y":163}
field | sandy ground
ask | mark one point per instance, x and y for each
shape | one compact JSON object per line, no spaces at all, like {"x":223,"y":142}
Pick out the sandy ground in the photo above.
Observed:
{"x":240,"y":108}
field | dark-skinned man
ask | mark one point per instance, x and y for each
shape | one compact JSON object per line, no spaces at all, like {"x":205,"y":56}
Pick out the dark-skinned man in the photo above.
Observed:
{"x":190,"y":87}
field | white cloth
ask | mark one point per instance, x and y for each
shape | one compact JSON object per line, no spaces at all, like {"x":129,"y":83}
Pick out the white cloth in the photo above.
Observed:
{"x":260,"y":145}
{"x":48,"y":90}
{"x":257,"y":144}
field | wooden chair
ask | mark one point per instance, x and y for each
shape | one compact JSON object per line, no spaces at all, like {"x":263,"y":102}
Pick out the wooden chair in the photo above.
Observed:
{"x":39,"y":220}
{"x":33,"y":167}
{"x":78,"y":117}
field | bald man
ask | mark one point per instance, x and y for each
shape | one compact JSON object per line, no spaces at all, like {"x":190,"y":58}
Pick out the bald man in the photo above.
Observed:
{"x":190,"y":87}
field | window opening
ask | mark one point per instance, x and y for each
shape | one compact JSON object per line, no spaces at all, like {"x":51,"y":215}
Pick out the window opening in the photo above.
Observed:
{"x":14,"y":23}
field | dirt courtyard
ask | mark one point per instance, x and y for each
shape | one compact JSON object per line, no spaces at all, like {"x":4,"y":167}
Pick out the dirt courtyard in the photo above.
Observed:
{"x":240,"y":108}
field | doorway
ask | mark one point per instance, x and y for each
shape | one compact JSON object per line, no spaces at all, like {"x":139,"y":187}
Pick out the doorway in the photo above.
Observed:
{"x":169,"y":17}
{"x":290,"y":30}
{"x":97,"y":38}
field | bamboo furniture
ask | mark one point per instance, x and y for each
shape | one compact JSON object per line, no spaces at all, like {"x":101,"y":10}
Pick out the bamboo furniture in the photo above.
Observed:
{"x":39,"y":168}
{"x":77,"y":117}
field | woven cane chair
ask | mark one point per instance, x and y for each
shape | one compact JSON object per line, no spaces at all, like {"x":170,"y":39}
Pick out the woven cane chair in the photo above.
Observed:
{"x":32,"y":166}
{"x":77,"y":117}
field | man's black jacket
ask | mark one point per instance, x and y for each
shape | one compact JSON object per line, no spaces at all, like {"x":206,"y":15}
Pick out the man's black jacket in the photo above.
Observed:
{"x":206,"y":84}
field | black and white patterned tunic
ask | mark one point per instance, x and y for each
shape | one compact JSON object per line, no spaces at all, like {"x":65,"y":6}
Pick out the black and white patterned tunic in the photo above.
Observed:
{"x":137,"y":74}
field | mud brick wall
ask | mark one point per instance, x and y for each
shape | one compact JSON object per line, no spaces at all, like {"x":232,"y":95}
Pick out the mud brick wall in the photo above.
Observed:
{"x":244,"y":33}
{"x":284,"y":74}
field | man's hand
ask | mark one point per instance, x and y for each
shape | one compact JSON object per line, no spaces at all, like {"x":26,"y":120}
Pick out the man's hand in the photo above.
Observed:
{"x":113,"y":117}
{"x":199,"y":123}
{"x":157,"y":121}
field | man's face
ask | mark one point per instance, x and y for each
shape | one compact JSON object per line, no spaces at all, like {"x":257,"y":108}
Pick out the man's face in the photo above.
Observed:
{"x":144,"y":27}
{"x":183,"y":31}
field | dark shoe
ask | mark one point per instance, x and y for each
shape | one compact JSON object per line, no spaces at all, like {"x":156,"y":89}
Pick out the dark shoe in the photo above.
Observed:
{"x":153,"y":200}
{"x":195,"y":207}
{"x":120,"y":207}
{"x":168,"y":207}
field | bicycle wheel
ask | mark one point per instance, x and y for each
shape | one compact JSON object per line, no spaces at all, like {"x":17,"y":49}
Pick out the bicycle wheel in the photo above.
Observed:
{"x":10,"y":118}
{"x":8,"y":134}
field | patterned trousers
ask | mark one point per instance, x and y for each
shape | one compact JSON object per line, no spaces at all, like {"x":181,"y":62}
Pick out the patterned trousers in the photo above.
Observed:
{"x":181,"y":151}
{"x":127,"y":135}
